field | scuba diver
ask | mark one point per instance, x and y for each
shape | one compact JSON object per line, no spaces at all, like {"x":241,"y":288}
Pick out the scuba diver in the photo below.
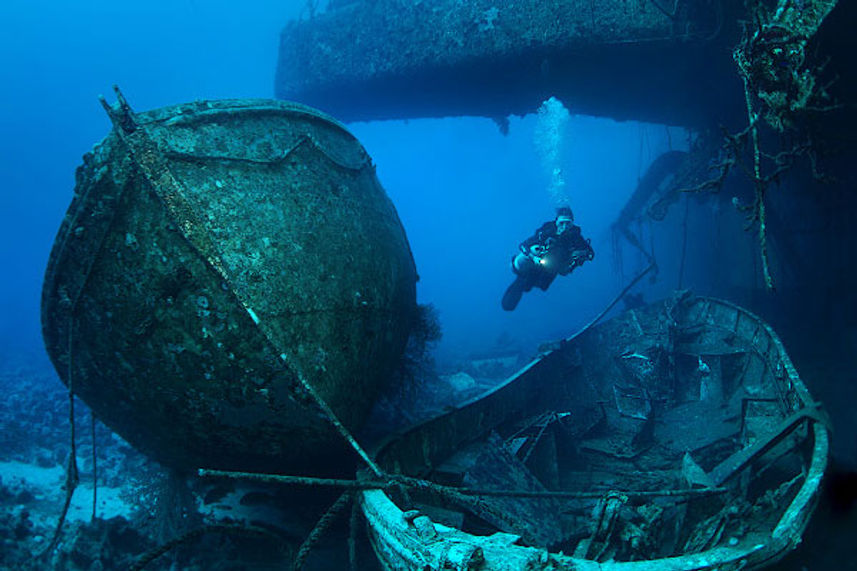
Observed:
{"x":557,"y":247}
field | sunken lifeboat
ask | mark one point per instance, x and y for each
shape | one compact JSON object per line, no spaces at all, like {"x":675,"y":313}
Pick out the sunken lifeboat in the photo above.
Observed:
{"x":230,"y":283}
{"x":677,"y":436}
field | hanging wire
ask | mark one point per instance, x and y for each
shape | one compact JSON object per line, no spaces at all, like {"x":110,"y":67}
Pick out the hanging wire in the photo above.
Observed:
{"x":651,"y":256}
{"x":320,"y":528}
{"x":353,"y":526}
{"x":683,"y":241}
{"x":72,"y":474}
{"x":194,"y":534}
{"x":94,"y":468}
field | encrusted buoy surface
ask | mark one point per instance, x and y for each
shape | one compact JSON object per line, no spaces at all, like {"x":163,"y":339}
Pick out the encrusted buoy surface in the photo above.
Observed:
{"x":228,"y":274}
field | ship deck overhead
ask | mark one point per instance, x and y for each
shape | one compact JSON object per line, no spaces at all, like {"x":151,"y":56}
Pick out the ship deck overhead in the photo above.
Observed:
{"x":389,"y":59}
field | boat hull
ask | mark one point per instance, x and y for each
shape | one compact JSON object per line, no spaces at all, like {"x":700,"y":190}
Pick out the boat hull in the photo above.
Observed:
{"x":744,"y":364}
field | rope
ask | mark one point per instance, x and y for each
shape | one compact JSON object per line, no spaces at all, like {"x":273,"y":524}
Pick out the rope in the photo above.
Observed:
{"x":320,"y":528}
{"x":468,"y":498}
{"x":193,"y":534}
{"x":353,"y":524}
{"x":72,"y":474}
{"x":598,"y":317}
{"x":297,"y":480}
{"x":759,"y":186}
{"x":473,"y":501}
{"x":683,"y":241}
{"x":94,"y":468}
{"x":417,"y":483}
{"x":425,"y":484}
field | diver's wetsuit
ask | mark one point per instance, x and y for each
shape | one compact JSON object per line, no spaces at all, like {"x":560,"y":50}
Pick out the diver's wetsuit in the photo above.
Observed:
{"x":563,"y":253}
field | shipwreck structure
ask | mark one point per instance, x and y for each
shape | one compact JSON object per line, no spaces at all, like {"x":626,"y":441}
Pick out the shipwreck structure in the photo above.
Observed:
{"x":230,"y":286}
{"x":674,"y":436}
{"x":762,"y":85}
{"x":678,"y":63}
{"x":390,"y":59}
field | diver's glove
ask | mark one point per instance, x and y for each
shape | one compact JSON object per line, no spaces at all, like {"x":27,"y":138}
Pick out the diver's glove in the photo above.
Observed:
{"x":580,"y":256}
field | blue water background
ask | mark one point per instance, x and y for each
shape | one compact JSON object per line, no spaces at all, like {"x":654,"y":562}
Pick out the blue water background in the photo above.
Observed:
{"x":466,"y":193}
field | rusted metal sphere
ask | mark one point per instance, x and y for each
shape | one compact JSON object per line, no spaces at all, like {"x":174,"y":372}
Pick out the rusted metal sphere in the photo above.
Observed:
{"x":229,"y":275}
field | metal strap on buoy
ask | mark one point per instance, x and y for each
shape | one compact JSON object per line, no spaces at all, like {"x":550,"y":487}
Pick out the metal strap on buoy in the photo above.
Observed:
{"x":155,"y":169}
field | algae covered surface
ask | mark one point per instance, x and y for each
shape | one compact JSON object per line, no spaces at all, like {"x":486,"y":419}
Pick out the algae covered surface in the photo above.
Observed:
{"x":196,"y":301}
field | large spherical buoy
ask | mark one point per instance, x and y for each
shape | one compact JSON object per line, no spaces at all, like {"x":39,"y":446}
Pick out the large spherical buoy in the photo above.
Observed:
{"x":229,"y":276}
